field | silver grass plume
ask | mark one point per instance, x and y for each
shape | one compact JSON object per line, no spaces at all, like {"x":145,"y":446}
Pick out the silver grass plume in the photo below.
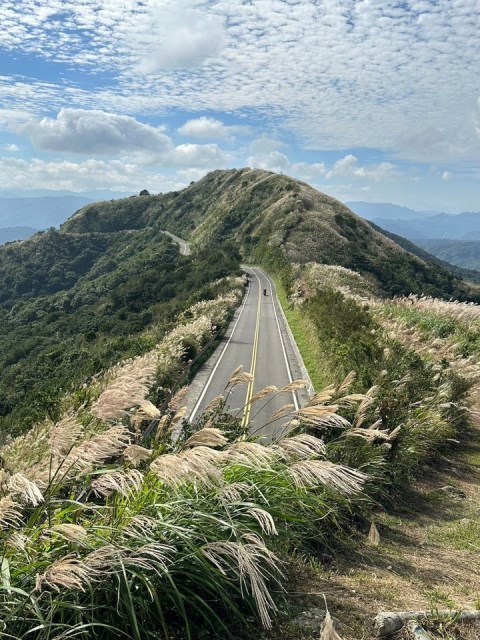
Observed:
{"x":69,"y":572}
{"x":64,"y":435}
{"x":135,"y":454}
{"x":252,"y":454}
{"x":327,"y":631}
{"x":197,"y":465}
{"x":302,"y":446}
{"x":72,"y":532}
{"x":373,"y":536}
{"x":177,"y":401}
{"x":208,"y":437}
{"x":295,"y":385}
{"x":10,"y":513}
{"x":323,"y":396}
{"x":253,"y":563}
{"x":239,"y":377}
{"x":128,"y":389}
{"x":214,"y":403}
{"x":153,"y":556}
{"x":97,"y":450}
{"x":123,"y":482}
{"x":264,"y":392}
{"x":282,"y":412}
{"x":346,"y":384}
{"x":310,"y":473}
{"x":26,"y":490}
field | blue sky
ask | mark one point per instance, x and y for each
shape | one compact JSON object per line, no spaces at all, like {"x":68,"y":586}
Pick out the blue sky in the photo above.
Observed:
{"x":375,"y":100}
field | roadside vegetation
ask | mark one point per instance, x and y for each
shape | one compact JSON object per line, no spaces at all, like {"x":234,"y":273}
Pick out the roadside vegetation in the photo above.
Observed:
{"x":120,"y":519}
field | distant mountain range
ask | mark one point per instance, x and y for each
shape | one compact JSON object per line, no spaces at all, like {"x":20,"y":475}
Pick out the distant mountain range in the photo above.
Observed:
{"x":387,"y":211}
{"x":454,"y":238}
{"x":23,"y":213}
{"x":8,"y":234}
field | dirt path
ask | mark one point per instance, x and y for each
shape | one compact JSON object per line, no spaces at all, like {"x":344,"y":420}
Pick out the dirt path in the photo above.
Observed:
{"x":429,"y":552}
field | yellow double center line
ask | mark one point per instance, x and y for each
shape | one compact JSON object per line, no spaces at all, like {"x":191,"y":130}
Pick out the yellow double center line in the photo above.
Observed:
{"x":248,"y":403}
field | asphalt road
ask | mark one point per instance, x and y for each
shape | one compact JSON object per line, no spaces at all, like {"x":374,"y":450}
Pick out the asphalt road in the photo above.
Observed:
{"x":184,"y":246}
{"x":257,"y":339}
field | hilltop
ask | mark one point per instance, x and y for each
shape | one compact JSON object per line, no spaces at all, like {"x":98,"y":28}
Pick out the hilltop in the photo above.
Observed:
{"x":271,"y":216}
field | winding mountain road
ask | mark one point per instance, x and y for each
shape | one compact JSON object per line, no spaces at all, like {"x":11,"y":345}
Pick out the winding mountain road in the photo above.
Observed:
{"x":259,"y":340}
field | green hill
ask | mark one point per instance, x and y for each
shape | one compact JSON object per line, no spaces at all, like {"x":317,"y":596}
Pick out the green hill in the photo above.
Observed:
{"x":274,"y":217}
{"x":74,"y":301}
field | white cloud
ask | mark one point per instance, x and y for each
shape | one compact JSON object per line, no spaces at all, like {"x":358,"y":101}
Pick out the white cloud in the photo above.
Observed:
{"x":79,"y":131}
{"x":84,"y":176}
{"x":200,"y":155}
{"x":265,"y":144}
{"x":397,"y":76}
{"x":99,"y":132}
{"x":13,"y":148}
{"x":447,"y":176}
{"x":179,"y":36}
{"x":348,"y":166}
{"x":279,"y":162}
{"x":205,"y":127}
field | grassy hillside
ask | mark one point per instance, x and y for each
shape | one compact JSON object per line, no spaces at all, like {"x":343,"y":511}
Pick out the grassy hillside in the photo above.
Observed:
{"x":73,"y":304}
{"x":109,"y":523}
{"x":447,"y":254}
{"x":463,"y":253}
{"x":273,"y":216}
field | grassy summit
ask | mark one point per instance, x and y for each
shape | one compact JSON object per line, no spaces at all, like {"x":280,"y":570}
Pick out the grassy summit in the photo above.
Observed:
{"x":266,"y":213}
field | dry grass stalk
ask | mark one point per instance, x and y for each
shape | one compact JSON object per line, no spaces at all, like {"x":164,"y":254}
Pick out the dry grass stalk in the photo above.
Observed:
{"x":309,"y":473}
{"x":10,"y":513}
{"x":72,"y":532}
{"x":302,"y":446}
{"x":264,"y":392}
{"x":254,"y":563}
{"x":373,"y":536}
{"x":208,"y":437}
{"x":135,"y":454}
{"x":283,"y":411}
{"x":327,"y":632}
{"x":25,"y":489}
{"x":68,"y":572}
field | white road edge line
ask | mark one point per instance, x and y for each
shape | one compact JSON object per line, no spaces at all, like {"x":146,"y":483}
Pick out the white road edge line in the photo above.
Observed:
{"x":207,"y":384}
{"x":282,"y":342}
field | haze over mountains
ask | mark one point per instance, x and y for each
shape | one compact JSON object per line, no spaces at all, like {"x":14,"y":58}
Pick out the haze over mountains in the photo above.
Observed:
{"x":24,"y":212}
{"x":454,"y":238}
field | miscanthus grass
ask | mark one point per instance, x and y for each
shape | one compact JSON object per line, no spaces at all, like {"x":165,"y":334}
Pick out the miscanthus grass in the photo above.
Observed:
{"x":112,"y":538}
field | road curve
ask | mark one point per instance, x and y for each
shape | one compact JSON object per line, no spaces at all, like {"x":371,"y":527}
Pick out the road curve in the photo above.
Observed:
{"x":257,"y":339}
{"x":184,"y":246}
